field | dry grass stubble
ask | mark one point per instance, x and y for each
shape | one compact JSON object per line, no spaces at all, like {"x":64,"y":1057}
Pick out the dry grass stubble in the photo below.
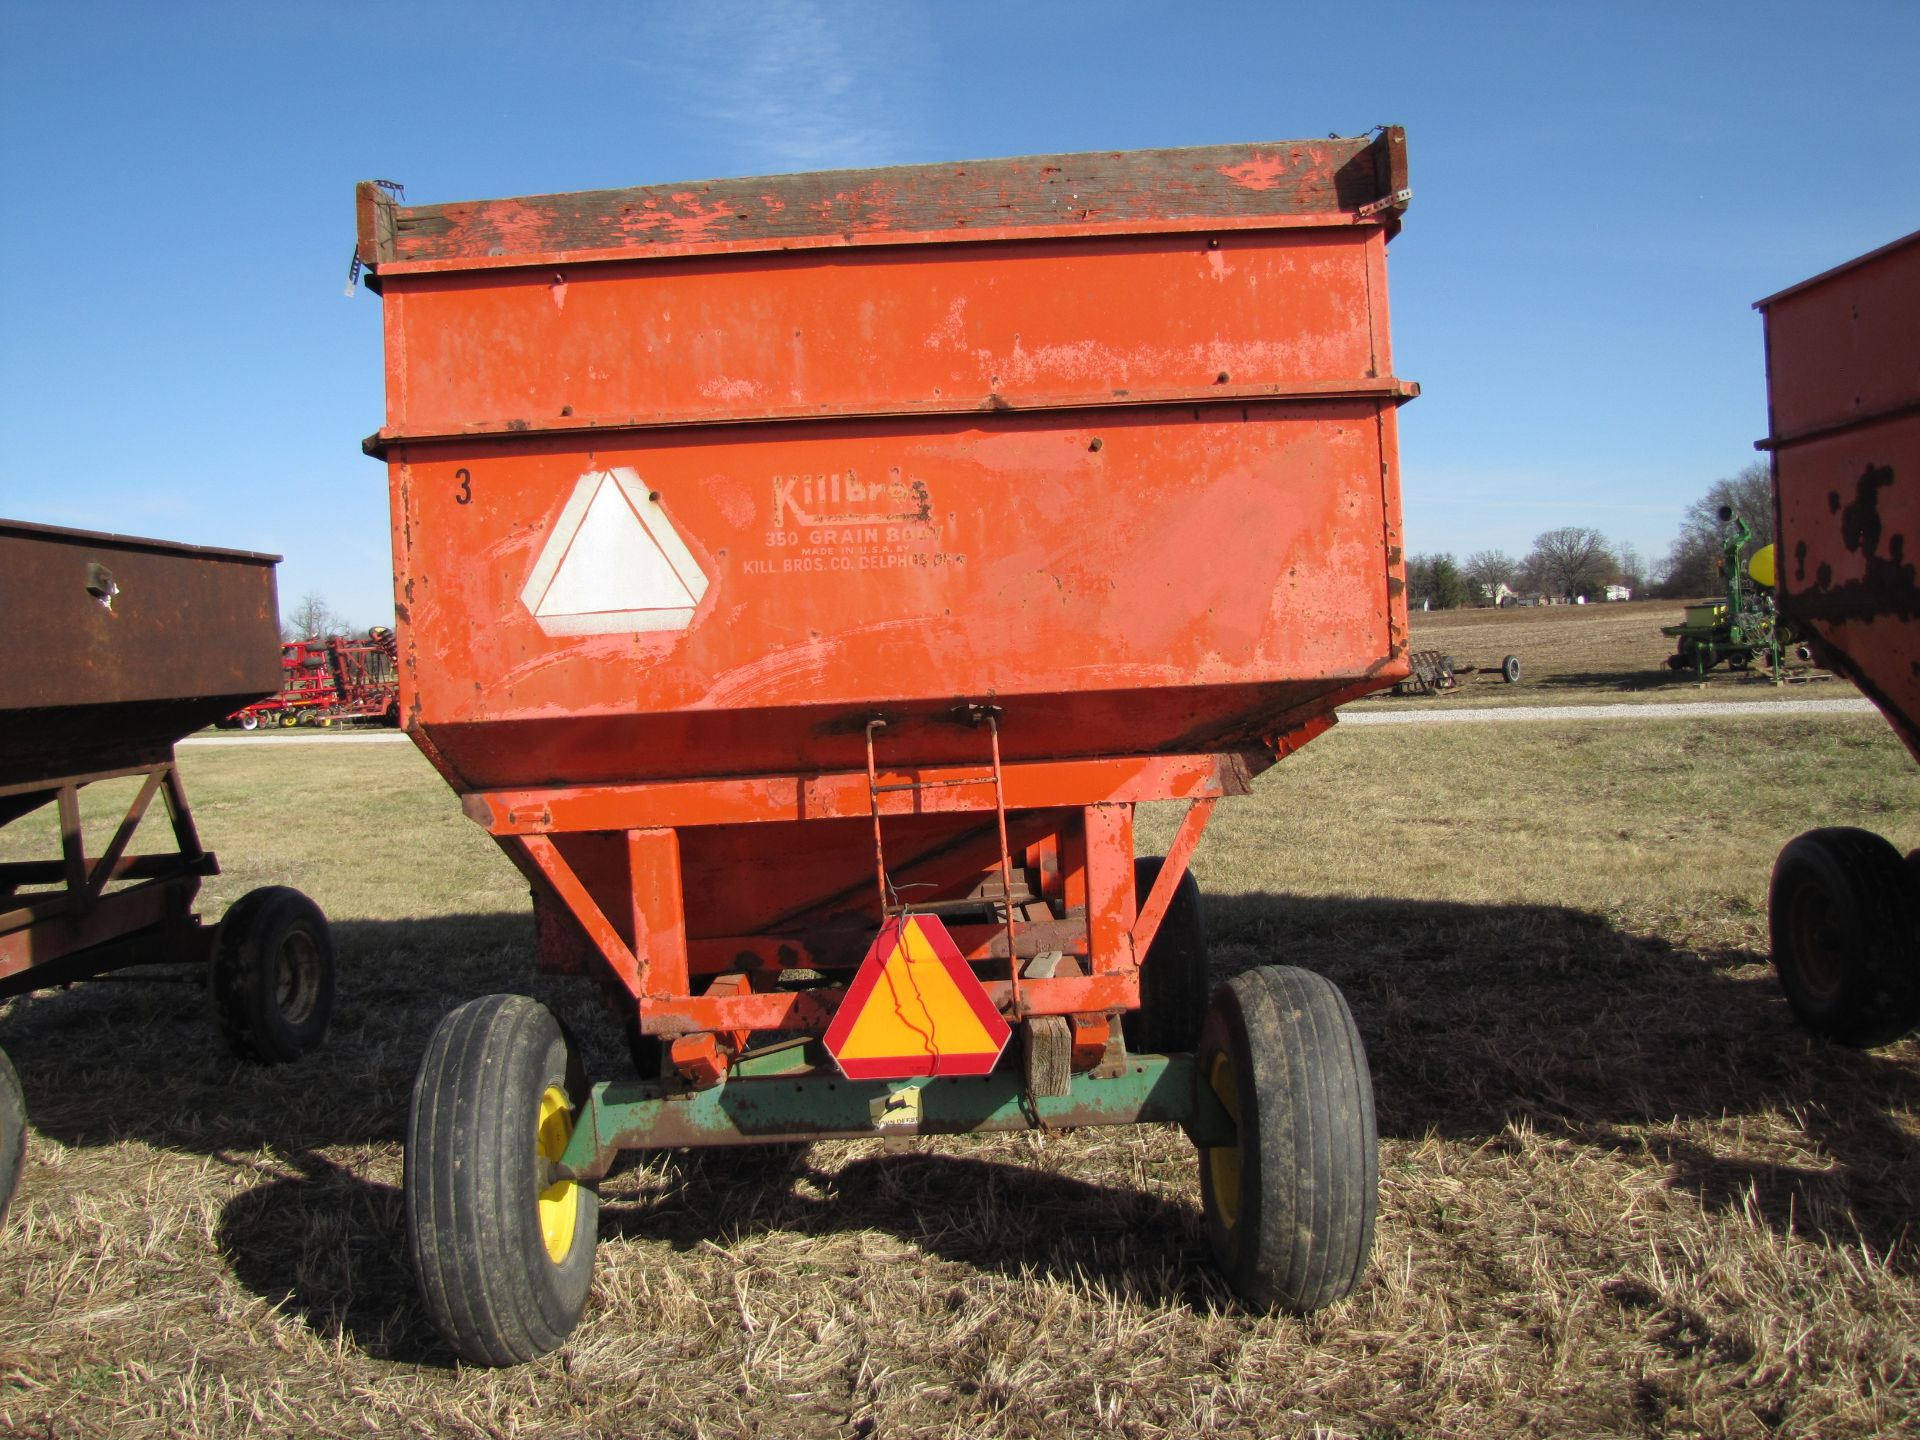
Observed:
{"x":1621,"y":1192}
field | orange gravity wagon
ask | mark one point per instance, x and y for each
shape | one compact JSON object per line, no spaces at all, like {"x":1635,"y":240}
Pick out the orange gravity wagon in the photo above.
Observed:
{"x":803,"y":579}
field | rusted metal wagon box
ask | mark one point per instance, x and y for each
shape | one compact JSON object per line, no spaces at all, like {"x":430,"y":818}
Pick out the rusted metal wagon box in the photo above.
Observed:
{"x":1843,"y":404}
{"x":782,"y":562}
{"x":112,"y":648}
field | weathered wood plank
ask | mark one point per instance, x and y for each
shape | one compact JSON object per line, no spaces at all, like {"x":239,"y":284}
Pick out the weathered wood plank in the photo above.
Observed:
{"x":1047,"y":1055}
{"x":1226,"y":183}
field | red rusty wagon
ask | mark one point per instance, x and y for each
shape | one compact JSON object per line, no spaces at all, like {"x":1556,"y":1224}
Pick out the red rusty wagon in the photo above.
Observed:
{"x":113,"y":648}
{"x":804,"y":579}
{"x":1843,"y":406}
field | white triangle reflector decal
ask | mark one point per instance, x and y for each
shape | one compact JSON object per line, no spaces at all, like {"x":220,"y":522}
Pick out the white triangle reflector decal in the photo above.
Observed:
{"x":614,"y":563}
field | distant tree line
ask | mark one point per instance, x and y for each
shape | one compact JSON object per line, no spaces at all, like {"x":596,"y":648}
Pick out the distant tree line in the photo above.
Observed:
{"x":1693,"y":565}
{"x":1575,"y":561}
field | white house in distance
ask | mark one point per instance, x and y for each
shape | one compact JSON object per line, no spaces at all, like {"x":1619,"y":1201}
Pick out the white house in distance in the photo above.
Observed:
{"x":1619,"y":592}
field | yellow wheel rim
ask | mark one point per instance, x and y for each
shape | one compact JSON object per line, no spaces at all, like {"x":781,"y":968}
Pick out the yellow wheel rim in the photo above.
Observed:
{"x":1223,"y":1161}
{"x":560,"y":1201}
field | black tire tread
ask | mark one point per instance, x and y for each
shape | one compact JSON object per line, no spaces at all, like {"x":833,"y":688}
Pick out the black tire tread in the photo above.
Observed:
{"x":487,"y":1286}
{"x":1174,"y":983}
{"x":13,"y":1133}
{"x":1309,"y":1145}
{"x":1881,"y":998}
{"x":243,"y":1001}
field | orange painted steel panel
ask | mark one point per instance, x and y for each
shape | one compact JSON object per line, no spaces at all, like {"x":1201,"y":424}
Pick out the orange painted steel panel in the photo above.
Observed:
{"x":706,"y":341}
{"x":844,"y":796}
{"x":1232,"y":554}
{"x":691,"y":483}
{"x":1843,"y":385}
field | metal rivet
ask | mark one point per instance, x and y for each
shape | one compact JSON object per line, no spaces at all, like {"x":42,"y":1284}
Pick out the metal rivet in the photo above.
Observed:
{"x":1095,"y":443}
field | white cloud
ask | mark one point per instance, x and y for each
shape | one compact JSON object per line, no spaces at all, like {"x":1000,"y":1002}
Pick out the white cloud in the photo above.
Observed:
{"x":799,"y":84}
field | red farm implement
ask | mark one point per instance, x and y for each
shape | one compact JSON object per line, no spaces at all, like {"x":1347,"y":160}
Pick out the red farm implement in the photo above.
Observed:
{"x":339,"y":678}
{"x":803,"y":579}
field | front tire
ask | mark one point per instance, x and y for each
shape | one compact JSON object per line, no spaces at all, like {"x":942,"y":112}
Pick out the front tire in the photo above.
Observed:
{"x":1841,"y":912}
{"x":271,"y":975}
{"x":1290,"y":1207}
{"x":503,"y":1250}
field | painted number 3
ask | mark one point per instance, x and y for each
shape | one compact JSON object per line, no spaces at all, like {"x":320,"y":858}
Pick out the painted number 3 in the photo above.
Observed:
{"x":464,"y":495}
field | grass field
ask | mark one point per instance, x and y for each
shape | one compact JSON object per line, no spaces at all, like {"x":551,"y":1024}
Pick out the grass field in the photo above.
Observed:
{"x":1586,"y":655}
{"x":1621,"y":1192}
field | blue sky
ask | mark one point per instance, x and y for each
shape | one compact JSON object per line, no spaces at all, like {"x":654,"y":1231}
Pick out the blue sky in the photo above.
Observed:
{"x":1600,"y":192}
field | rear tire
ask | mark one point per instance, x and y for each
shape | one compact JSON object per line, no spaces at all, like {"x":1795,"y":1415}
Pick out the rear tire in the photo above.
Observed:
{"x":13,"y":1133}
{"x":1173,"y":972}
{"x":1841,"y":911}
{"x":271,"y":975}
{"x":502,"y":1250}
{"x":1510,"y":669}
{"x":1290,"y":1207}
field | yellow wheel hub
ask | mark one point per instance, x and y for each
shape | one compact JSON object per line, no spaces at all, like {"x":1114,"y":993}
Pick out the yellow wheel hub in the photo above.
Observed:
{"x":1223,"y":1161}
{"x":560,"y":1201}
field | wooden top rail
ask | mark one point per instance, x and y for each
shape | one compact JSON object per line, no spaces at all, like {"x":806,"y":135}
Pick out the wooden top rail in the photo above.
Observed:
{"x":1359,"y":179}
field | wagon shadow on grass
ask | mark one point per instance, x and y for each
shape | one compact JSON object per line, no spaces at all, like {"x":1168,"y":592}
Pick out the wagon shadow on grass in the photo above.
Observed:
{"x":1475,"y":1016}
{"x":1480,"y":1016}
{"x":990,"y":1215}
{"x":329,"y":1245}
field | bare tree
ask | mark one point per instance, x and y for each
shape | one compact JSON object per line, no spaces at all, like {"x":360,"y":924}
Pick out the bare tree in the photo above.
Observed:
{"x":1630,"y":568}
{"x":1570,"y":561}
{"x":1487,"y":571}
{"x":1693,"y":565}
{"x":311,"y":617}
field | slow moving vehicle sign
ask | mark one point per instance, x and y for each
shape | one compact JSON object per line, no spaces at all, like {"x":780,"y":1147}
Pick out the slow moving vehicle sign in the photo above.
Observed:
{"x":915,"y":1008}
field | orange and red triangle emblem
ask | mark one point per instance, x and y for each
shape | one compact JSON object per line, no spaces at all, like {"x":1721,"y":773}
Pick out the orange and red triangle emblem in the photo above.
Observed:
{"x":915,"y":1008}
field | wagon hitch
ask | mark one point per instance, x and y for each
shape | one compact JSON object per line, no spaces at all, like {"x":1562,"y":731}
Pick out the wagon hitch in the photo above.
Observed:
{"x":704,"y":1058}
